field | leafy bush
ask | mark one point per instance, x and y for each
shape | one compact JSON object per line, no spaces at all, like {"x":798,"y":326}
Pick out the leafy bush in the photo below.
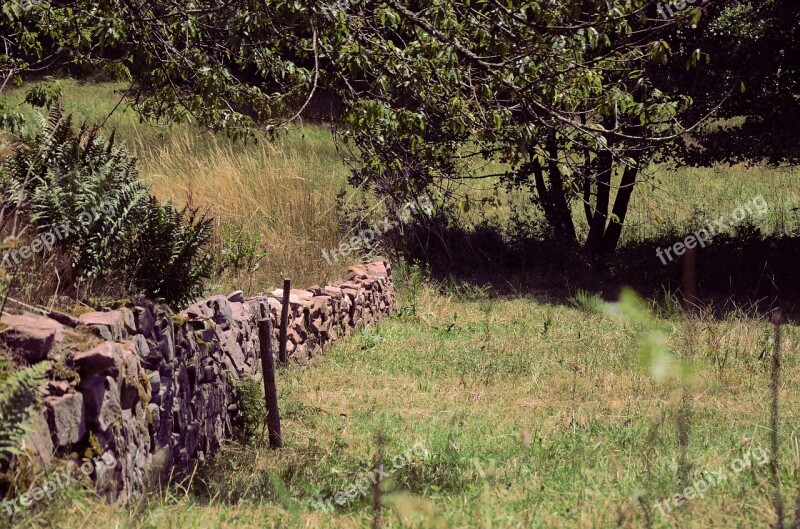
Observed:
{"x":85,"y":191}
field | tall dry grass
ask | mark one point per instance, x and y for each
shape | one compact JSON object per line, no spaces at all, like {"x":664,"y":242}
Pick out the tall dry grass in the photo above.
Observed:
{"x":274,"y":202}
{"x":278,"y":194}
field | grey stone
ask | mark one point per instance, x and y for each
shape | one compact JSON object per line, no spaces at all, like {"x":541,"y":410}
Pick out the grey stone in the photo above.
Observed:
{"x":160,"y":466}
{"x":155,"y":383}
{"x":222,"y":314}
{"x":103,"y":333}
{"x":129,"y":383}
{"x":140,"y":346}
{"x":155,"y":357}
{"x":231,"y":367}
{"x":101,"y":396}
{"x":107,"y":324}
{"x":167,"y":347}
{"x":240,"y":313}
{"x":39,"y":443}
{"x":128,"y":321}
{"x":236,"y":297}
{"x":155,"y":417}
{"x":232,"y":350}
{"x":108,"y":477}
{"x":64,"y":318}
{"x":66,"y":418}
{"x":97,"y":360}
{"x":57,"y":388}
{"x":144,"y":320}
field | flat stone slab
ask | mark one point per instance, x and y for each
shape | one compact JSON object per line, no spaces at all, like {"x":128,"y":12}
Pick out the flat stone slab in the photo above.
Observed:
{"x":96,"y":360}
{"x":35,"y":335}
{"x":111,"y":325}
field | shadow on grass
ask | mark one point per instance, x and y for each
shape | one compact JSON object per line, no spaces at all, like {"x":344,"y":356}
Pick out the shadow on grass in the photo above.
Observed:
{"x":745,"y":271}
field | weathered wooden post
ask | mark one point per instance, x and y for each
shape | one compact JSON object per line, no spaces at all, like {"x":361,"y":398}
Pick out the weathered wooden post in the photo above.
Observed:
{"x":774,"y":443}
{"x":287,"y":288}
{"x":268,"y":373}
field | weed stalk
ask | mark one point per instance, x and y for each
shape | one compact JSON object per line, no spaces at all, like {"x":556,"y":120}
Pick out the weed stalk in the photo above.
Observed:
{"x":777,"y":321}
{"x":377,"y":499}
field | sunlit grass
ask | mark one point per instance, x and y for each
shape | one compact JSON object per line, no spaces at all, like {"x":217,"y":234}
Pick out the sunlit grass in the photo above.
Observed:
{"x":533,"y":415}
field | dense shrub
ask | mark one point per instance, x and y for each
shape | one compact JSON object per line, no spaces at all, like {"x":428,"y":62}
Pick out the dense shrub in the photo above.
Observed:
{"x":84,"y":192}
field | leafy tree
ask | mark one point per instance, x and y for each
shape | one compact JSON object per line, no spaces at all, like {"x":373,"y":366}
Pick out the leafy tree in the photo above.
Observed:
{"x":562,"y":93}
{"x":573,"y":96}
{"x":229,"y":65}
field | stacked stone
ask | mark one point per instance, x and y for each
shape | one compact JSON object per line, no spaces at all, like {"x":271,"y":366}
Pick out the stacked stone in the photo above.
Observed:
{"x":152,"y":390}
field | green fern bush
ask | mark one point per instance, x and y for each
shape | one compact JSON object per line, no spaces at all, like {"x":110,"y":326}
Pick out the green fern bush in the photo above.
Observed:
{"x":19,"y":397}
{"x":87,"y":191}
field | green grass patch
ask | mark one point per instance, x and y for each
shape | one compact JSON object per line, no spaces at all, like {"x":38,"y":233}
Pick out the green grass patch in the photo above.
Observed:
{"x":531,"y":415}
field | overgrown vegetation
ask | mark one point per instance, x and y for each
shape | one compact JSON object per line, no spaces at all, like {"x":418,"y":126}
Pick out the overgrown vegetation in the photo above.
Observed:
{"x":79,"y":195}
{"x":572,"y":98}
{"x":273,"y":203}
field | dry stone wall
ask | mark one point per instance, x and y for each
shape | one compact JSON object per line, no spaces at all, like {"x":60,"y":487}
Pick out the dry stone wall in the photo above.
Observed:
{"x":154,"y":389}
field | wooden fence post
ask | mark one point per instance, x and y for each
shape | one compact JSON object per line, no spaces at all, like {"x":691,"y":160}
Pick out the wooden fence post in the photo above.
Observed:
{"x":268,"y":373}
{"x":287,"y":288}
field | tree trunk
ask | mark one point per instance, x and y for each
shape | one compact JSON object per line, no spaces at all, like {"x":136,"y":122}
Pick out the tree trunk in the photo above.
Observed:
{"x":557,"y":197}
{"x":587,"y":179}
{"x":614,"y":230}
{"x":544,"y":195}
{"x":587,"y":193}
{"x":597,"y":226}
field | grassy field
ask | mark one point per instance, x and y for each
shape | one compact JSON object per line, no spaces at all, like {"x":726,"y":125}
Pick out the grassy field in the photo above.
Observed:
{"x":501,"y":414}
{"x":524,"y":412}
{"x":675,"y":199}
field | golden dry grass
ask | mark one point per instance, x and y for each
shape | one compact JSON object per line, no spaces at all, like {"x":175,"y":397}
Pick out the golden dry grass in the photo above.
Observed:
{"x":284,"y":194}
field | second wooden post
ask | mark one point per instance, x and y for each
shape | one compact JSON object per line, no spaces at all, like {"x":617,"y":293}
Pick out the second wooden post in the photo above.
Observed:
{"x":270,"y":388}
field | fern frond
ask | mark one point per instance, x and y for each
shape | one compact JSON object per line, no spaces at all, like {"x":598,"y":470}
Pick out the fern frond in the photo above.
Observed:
{"x":18,"y":403}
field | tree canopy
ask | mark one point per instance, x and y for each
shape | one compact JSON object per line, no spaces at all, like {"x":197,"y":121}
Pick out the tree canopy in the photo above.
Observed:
{"x":572,"y":97}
